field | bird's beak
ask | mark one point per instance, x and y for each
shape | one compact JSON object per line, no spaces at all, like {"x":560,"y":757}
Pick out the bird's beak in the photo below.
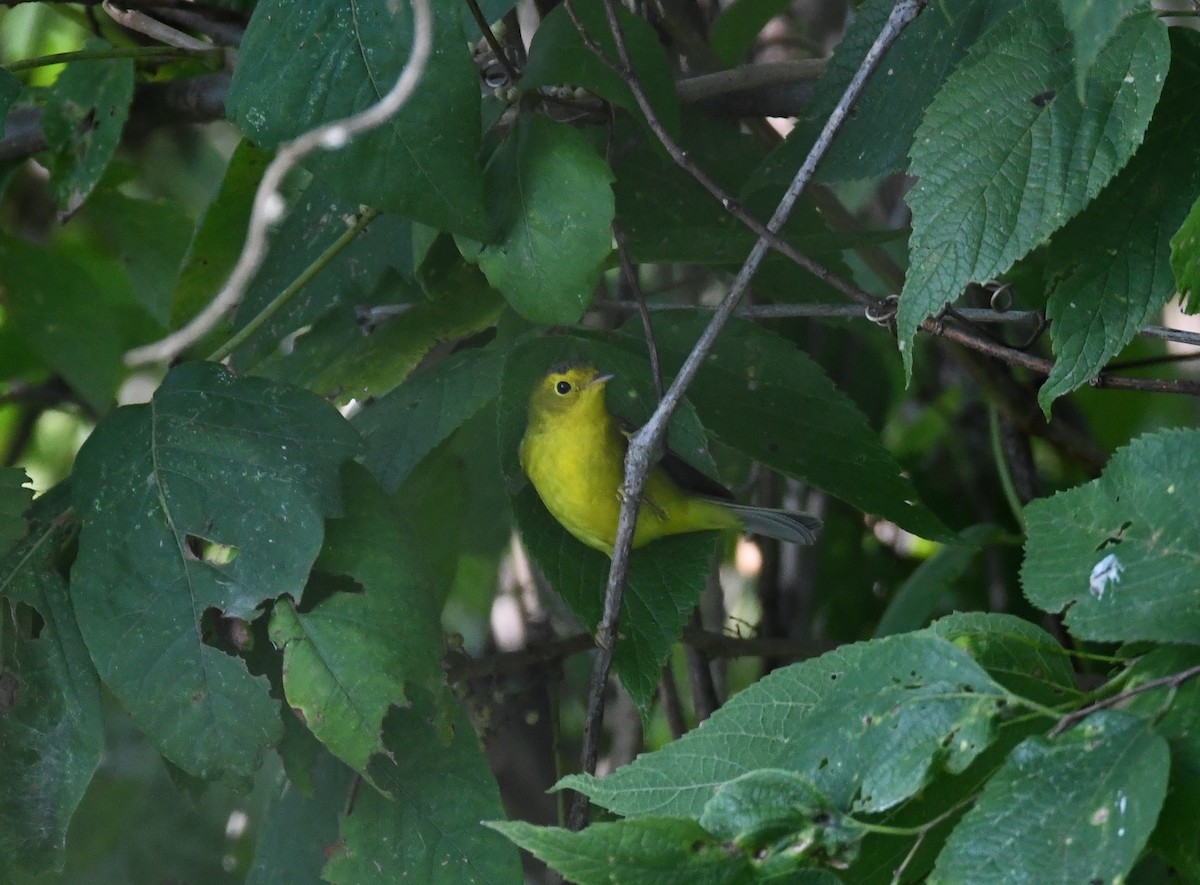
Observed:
{"x":600,"y":380}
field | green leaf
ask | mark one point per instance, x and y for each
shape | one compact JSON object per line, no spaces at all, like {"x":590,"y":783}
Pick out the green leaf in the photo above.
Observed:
{"x":552,"y":205}
{"x":783,"y":821}
{"x":665,"y":577}
{"x":351,"y":656}
{"x":301,"y":66}
{"x":14,"y":501}
{"x":559,"y":57}
{"x":404,"y":426}
{"x":1019,"y":655}
{"x":431,"y":832}
{"x":1185,"y":258}
{"x":85,"y":115}
{"x":40,"y":289}
{"x":646,"y":851}
{"x":219,"y":236}
{"x":315,"y":222}
{"x":50,"y":726}
{"x":150,"y":238}
{"x":1111,"y":263}
{"x":868,"y":724}
{"x":1119,"y":553}
{"x":292,"y":844}
{"x":877,"y":138}
{"x":1007,"y":152}
{"x":1080,"y":807}
{"x":213,"y":459}
{"x":1093,"y":23}
{"x":760,"y":395}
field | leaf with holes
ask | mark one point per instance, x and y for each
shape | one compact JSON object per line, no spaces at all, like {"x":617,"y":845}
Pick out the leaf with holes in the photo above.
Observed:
{"x":1080,"y":807}
{"x":195,"y":508}
{"x":868,"y":725}
{"x":1120,"y":553}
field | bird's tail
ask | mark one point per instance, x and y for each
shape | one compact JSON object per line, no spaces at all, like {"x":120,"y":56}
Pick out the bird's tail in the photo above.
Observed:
{"x":783,"y":525}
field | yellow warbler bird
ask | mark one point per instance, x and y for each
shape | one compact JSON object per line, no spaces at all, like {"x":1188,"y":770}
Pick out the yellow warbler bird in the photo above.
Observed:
{"x":574,"y":453}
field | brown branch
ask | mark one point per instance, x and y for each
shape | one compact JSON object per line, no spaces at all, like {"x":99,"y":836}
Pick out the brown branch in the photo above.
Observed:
{"x":1173,"y":681}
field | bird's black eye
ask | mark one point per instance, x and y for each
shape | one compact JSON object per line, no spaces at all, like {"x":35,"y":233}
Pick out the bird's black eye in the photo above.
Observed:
{"x":563,"y":387}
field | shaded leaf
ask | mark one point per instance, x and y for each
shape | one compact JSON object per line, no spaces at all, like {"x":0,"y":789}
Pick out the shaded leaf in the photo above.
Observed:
{"x":84,"y":118}
{"x":241,"y":463}
{"x":1185,"y":258}
{"x":431,"y":832}
{"x":50,"y":726}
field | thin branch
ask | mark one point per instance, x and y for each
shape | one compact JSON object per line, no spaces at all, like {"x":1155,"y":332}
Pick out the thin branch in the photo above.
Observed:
{"x":138,"y":21}
{"x":269,"y":204}
{"x":1173,"y":681}
{"x":364,"y":219}
{"x":629,"y":278}
{"x":940,"y":327}
{"x":645,"y":444}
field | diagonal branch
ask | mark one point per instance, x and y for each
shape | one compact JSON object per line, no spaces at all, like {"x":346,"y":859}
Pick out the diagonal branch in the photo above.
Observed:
{"x":647,"y":442}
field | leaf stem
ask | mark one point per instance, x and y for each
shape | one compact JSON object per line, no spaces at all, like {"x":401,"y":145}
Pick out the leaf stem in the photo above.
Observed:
{"x":365,"y":217}
{"x":142,"y":52}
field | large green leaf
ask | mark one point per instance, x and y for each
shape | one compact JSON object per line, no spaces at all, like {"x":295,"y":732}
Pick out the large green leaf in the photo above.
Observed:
{"x":212,"y":460}
{"x":305,"y":64}
{"x":1080,"y":807}
{"x":431,"y":830}
{"x":50,"y":727}
{"x":1007,"y":152}
{"x":665,"y":577}
{"x":1120,"y":553}
{"x":1111,"y":265}
{"x":762,"y":396}
{"x":868,"y":724}
{"x":552,"y":208}
{"x":351,"y":656}
{"x":85,"y":115}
